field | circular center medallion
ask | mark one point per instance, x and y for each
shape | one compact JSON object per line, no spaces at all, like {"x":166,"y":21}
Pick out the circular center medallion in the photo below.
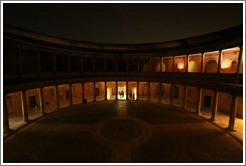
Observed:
{"x":121,"y":130}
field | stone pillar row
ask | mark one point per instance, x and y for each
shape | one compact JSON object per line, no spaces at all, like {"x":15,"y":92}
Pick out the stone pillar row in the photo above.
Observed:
{"x":198,"y":110}
{"x":127,"y":64}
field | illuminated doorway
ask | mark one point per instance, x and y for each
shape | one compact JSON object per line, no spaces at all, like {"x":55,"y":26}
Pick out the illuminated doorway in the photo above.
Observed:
{"x":121,"y":90}
{"x":132,"y":90}
{"x":111,"y":90}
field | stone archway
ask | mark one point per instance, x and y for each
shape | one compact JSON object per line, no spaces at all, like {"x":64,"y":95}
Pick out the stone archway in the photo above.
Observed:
{"x":211,"y":66}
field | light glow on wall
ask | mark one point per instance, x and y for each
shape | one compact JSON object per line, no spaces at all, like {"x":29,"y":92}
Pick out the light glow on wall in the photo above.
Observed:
{"x":108,"y":93}
{"x":180,"y":66}
{"x":226,"y":64}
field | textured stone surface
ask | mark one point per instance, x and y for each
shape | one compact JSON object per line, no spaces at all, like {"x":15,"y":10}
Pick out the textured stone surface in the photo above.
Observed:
{"x":121,"y":131}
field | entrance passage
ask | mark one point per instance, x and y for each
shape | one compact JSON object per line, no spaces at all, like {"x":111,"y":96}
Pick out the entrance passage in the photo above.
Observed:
{"x":133,"y":93}
{"x":122,"y":92}
{"x":132,"y":90}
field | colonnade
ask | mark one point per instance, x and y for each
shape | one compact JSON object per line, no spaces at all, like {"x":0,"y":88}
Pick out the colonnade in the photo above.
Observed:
{"x":184,"y":107}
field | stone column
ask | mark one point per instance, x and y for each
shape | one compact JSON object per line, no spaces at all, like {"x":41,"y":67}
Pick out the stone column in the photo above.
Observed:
{"x":184,"y":100}
{"x":105,"y":85}
{"x":127,"y":65}
{"x":239,"y":65}
{"x":39,"y":63}
{"x":127,"y":98}
{"x":160,"y":92}
{"x":68,"y":65}
{"x":54,"y":64}
{"x":83,"y":97}
{"x":202,"y":62}
{"x":137,"y":90}
{"x":116,"y":85}
{"x":116,"y":66}
{"x":94,"y":91}
{"x":42,"y":111}
{"x":199,"y":102}
{"x":215,"y":105}
{"x":105,"y":65}
{"x":57,"y":97}
{"x":6,"y":128}
{"x":233,"y":113}
{"x":240,"y":60}
{"x":187,"y":63}
{"x":173,"y":64}
{"x":171,"y":95}
{"x":24,"y":106}
{"x":20,"y":62}
{"x":138,"y":65}
{"x":94,"y":64}
{"x":148,"y":91}
{"x":71,"y":94}
{"x":81,"y":64}
{"x":220,"y":53}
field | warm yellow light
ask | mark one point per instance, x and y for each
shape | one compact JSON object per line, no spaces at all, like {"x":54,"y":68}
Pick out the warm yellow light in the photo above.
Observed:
{"x":135,"y":93}
{"x":226,"y":64}
{"x":108,"y":94}
{"x":180,"y":66}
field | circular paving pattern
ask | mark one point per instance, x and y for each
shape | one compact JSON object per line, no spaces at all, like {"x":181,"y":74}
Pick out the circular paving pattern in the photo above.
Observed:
{"x":145,"y":133}
{"x":121,"y":130}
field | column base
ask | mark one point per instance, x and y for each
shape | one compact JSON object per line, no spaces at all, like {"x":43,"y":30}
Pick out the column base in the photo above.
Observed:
{"x":26,"y":120}
{"x":7,"y":131}
{"x":212,"y":119}
{"x":230,"y":129}
{"x":42,"y":113}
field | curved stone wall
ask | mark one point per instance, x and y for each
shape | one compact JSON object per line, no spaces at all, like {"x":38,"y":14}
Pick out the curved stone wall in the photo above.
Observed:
{"x":44,"y":73}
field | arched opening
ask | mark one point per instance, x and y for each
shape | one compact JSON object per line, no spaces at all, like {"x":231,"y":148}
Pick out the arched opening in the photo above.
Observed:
{"x":162,"y":67}
{"x":192,"y":66}
{"x":211,"y":67}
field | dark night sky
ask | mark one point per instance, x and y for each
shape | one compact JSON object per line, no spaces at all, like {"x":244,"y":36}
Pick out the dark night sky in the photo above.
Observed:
{"x":123,"y":23}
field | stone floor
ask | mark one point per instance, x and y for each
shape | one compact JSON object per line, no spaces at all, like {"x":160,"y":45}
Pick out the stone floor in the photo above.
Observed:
{"x":119,"y":132}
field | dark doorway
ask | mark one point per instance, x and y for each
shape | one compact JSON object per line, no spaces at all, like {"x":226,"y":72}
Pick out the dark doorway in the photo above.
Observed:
{"x":32,"y":101}
{"x":207,"y":101}
{"x":67,"y":94}
{"x":175,"y":92}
